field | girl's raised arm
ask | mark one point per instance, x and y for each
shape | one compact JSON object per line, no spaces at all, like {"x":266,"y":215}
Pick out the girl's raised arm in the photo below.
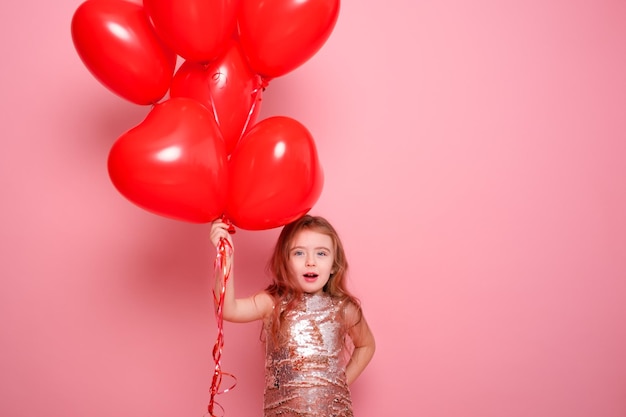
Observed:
{"x":239,"y":310}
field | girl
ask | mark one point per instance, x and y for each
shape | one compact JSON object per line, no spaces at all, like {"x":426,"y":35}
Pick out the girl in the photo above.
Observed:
{"x":308,"y":319}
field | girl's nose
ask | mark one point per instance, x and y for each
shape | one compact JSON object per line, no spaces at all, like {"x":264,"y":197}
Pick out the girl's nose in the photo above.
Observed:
{"x":310,"y":261}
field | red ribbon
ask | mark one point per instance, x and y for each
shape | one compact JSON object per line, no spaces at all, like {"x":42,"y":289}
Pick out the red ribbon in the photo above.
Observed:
{"x":261,"y":85}
{"x":224,"y":249}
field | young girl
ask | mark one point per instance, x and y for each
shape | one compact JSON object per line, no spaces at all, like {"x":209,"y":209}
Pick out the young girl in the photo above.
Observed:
{"x":308,"y":319}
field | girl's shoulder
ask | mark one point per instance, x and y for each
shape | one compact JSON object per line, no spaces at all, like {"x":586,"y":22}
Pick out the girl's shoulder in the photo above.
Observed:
{"x":264,"y":302}
{"x":352,"y":311}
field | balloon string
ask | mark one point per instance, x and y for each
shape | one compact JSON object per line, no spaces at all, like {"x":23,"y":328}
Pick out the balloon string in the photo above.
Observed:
{"x":213,"y":107}
{"x":261,"y":86}
{"x":224,"y":249}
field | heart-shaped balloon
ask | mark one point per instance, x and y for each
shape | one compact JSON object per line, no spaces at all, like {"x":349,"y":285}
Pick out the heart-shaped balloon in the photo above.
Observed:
{"x":197,"y":30}
{"x":173,"y":163}
{"x":275,"y":175}
{"x":226,"y":86}
{"x":280,"y":35}
{"x":119,"y":46}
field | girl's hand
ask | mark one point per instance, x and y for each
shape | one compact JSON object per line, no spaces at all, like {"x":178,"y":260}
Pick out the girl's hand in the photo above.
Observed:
{"x":219,"y":230}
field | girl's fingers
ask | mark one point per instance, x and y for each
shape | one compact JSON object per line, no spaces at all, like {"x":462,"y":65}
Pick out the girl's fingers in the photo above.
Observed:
{"x":219,"y":229}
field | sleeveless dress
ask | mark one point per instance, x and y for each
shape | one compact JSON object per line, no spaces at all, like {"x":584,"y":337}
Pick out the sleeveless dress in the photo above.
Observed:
{"x":305,"y":377}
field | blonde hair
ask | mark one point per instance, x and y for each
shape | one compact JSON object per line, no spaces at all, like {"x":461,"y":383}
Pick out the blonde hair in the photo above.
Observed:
{"x":285,"y":289}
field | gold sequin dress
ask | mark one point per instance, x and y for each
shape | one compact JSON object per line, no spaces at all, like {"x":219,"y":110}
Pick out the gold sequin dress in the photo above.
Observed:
{"x":305,"y":376}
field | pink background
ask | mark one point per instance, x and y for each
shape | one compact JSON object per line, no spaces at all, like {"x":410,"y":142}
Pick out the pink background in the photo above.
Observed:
{"x":474,"y":159}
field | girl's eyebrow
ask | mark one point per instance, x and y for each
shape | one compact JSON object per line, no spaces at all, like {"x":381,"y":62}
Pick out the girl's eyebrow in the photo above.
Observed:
{"x":317,"y":248}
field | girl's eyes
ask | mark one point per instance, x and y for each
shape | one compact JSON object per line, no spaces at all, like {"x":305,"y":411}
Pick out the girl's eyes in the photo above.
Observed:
{"x":301,"y":253}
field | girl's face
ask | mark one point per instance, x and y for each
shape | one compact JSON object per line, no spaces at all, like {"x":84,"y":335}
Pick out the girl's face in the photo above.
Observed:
{"x":311,"y":259}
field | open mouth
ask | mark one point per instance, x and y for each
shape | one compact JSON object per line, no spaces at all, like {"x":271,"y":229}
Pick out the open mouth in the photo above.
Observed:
{"x":310,"y":277}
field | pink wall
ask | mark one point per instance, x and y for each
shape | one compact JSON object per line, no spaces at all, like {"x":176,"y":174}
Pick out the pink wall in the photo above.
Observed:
{"x":474,"y":158}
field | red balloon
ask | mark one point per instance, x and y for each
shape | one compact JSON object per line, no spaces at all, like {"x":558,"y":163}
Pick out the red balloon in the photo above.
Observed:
{"x":280,"y":35}
{"x":117,"y":43}
{"x":275,"y":175}
{"x":173,"y":163}
{"x":227,"y":87}
{"x":197,"y":30}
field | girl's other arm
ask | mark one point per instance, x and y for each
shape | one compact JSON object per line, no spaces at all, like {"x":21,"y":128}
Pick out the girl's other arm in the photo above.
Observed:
{"x":364,"y":344}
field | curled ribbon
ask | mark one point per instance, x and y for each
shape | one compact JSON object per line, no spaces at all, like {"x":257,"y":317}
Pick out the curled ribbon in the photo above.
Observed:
{"x":224,"y":249}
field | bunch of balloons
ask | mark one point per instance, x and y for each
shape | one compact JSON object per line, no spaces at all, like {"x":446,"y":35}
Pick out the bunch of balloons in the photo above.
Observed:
{"x":200,"y":153}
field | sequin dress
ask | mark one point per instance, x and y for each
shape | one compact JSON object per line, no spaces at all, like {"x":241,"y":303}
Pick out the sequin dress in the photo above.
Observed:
{"x":305,"y":377}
